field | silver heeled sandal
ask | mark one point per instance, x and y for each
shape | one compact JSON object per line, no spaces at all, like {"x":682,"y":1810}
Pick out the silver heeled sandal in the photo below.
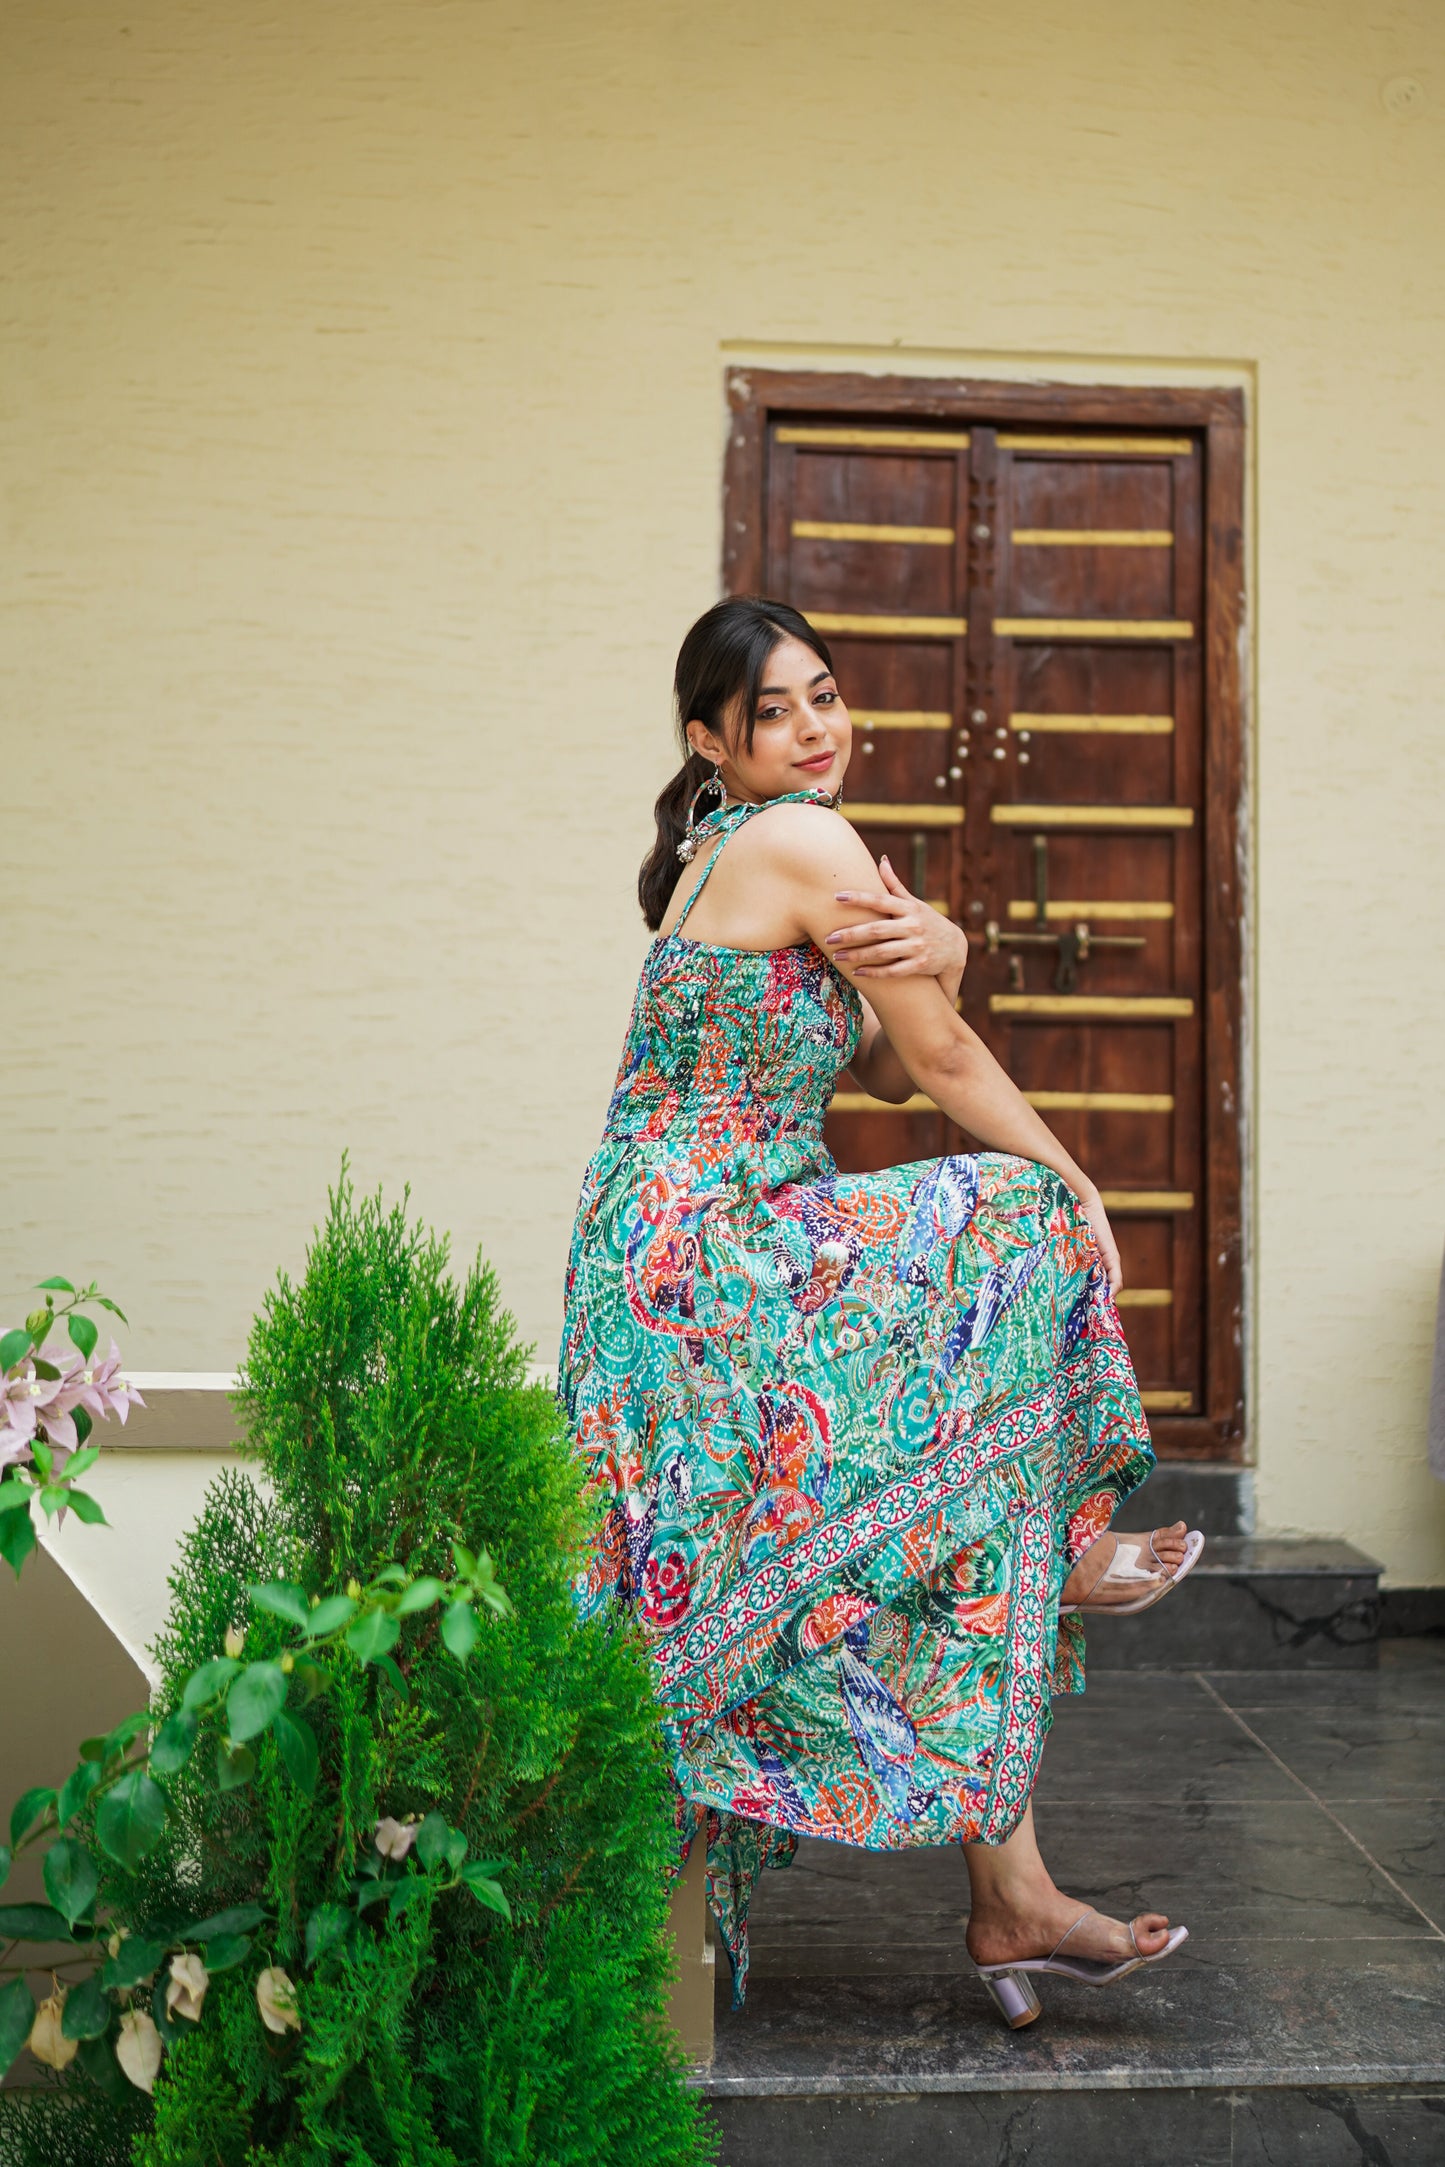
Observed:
{"x":1012,"y":1991}
{"x":1124,"y":1567}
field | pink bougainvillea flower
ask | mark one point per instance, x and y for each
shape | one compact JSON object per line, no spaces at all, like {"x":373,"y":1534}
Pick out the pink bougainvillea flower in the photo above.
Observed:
{"x":100,"y":1389}
{"x":27,"y":1400}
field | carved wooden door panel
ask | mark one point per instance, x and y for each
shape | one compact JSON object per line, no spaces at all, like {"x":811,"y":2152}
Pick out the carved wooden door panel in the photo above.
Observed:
{"x":1018,"y":616}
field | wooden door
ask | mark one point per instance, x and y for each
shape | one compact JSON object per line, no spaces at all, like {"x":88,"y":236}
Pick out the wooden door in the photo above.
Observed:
{"x":1026,"y":610}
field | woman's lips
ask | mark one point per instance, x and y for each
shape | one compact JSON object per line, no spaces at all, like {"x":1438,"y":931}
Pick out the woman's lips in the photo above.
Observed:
{"x":824,"y":759}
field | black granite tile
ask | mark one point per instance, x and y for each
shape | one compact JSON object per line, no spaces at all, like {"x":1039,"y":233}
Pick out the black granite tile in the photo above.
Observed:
{"x":1253,"y":1605}
{"x":1408,"y":1674}
{"x":1262,"y":1871}
{"x":1407,"y":1837}
{"x":1332,"y":2128}
{"x":1042,"y":2129}
{"x":1164,"y":1742}
{"x":1243,"y":2013}
{"x":1357,"y":1752}
{"x":1211,"y":1498}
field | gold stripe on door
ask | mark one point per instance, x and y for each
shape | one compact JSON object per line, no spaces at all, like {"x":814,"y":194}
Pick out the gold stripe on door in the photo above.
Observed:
{"x":1070,"y":907}
{"x":1124,"y":1007}
{"x":1143,"y":447}
{"x":1092,"y":816}
{"x":1145,"y":1298}
{"x":848,"y":530}
{"x":901,"y":718}
{"x":895,"y":628}
{"x":1095,"y":725}
{"x":1125,"y":1200}
{"x":1101,"y":1102}
{"x":903,"y":816}
{"x":1093,"y":537}
{"x":860,"y":1102}
{"x":1091,"y":628}
{"x":1166,"y":1403}
{"x":878,"y":439}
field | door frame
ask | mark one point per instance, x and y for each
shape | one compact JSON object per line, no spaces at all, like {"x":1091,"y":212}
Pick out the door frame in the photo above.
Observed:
{"x":755,"y":398}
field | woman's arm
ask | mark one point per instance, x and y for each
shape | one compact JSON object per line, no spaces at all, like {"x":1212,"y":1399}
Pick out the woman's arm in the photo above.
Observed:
{"x":910,"y":940}
{"x":936,"y":1048}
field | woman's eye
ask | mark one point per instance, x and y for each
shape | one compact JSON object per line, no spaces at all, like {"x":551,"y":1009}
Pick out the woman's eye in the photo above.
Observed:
{"x":827,"y":699}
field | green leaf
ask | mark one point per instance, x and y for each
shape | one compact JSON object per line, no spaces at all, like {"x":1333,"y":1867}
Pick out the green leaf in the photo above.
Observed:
{"x":235,"y":1765}
{"x":254,"y":1700}
{"x":171,"y":2028}
{"x":420,"y":1596}
{"x":60,"y":1286}
{"x":75,"y":1790}
{"x":174,"y":1742}
{"x":131,"y":1818}
{"x":374,"y":1634}
{"x":284,"y":1600}
{"x":14,"y":1346}
{"x":97,"y":2058}
{"x":300,"y":1754}
{"x":227,"y":1951}
{"x":92,"y":1749}
{"x":432,"y":1839}
{"x":311,"y":1678}
{"x":114,"y":1307}
{"x":405,"y":1893}
{"x":83,"y":1427}
{"x":486,"y":1891}
{"x":17,"y":2014}
{"x":135,"y":1960}
{"x":83,"y":1333}
{"x":390,"y":1576}
{"x":70,"y":1879}
{"x":80,"y":1463}
{"x":85,"y":1508}
{"x":460,"y":1630}
{"x":88,"y":2010}
{"x":29,"y":1811}
{"x":456,"y":1849}
{"x":14,"y":1492}
{"x":44,"y":1369}
{"x":395,"y":1674}
{"x":54,"y":1498}
{"x":32,"y":1922}
{"x":373,"y":1894}
{"x":327,"y":1927}
{"x":17,"y":1539}
{"x":239,"y":1919}
{"x":331,"y":1611}
{"x":126,"y":1733}
{"x":41,"y":1453}
{"x":466,"y":1559}
{"x":5,"y":1863}
{"x":212,"y":1678}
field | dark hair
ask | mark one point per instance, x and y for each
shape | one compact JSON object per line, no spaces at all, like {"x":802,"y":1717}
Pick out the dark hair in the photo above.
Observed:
{"x":719,"y":670}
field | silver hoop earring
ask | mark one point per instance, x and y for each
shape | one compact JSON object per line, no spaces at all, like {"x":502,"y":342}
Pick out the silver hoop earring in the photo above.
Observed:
{"x":687,"y":848}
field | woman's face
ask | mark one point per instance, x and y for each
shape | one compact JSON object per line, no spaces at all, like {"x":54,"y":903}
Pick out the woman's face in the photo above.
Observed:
{"x":801,"y":735}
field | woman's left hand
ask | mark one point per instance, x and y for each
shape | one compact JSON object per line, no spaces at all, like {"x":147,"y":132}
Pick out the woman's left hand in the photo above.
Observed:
{"x":909,"y":939}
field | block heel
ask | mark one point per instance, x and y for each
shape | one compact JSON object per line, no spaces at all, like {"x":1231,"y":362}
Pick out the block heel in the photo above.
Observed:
{"x":1012,"y":1994}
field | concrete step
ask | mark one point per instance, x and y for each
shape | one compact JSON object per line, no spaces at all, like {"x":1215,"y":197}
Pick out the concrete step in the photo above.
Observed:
{"x":1254,"y":1603}
{"x":1295,"y":1822}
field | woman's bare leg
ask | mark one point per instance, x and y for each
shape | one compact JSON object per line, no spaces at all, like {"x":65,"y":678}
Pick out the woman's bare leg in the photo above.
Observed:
{"x":1016,"y":1911}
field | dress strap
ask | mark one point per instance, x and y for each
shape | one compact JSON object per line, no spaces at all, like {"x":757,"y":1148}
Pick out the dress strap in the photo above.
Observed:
{"x":728,"y":819}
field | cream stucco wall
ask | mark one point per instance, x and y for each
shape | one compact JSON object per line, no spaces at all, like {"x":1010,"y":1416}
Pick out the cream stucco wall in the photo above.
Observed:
{"x":361,"y":439}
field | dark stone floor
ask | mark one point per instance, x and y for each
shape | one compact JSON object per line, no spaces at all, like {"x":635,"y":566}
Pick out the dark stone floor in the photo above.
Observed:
{"x":1295,"y":1822}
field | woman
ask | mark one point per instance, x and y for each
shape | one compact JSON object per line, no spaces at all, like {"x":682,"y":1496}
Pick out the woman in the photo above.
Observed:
{"x":852,"y":1442}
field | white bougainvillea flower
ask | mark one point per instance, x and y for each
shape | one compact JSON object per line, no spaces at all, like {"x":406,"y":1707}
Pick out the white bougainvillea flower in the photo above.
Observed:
{"x":187,"y":1988}
{"x":276,"y":2000}
{"x":48,"y":2042}
{"x":393,"y":1839}
{"x":138,"y":2049}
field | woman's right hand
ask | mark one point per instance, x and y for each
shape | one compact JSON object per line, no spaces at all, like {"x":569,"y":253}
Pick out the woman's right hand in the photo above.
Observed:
{"x":1098,"y":1219}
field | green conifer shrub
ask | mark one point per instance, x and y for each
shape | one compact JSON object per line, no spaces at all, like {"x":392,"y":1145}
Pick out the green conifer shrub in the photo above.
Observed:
{"x":388,"y":1411}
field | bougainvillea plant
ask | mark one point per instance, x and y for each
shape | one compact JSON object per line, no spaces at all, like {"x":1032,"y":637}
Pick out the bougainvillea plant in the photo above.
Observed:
{"x":138,"y":1982}
{"x":50,"y":1397}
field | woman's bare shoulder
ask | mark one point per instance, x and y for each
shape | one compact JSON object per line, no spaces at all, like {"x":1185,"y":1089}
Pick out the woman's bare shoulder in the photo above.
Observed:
{"x":810,"y":839}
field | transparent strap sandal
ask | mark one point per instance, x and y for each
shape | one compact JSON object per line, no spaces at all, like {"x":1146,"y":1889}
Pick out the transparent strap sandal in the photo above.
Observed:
{"x":1126,"y":1568}
{"x":1011,"y":1988}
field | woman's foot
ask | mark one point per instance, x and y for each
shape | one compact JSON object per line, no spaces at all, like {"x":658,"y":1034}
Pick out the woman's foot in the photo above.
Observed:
{"x":1035,"y":1929}
{"x":1083,"y":1583}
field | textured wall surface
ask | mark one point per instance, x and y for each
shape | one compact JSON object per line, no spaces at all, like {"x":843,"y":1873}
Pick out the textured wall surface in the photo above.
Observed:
{"x":361,"y":435}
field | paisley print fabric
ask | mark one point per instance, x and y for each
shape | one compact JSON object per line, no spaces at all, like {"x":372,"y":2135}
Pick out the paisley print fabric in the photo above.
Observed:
{"x":843,"y":1434}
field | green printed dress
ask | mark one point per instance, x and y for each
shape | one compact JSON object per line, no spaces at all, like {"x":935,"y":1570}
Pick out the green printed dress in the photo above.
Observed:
{"x":843,"y":1435}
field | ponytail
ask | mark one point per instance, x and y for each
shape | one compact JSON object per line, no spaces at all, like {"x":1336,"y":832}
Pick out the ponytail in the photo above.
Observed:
{"x":719,"y":670}
{"x":662,"y":868}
